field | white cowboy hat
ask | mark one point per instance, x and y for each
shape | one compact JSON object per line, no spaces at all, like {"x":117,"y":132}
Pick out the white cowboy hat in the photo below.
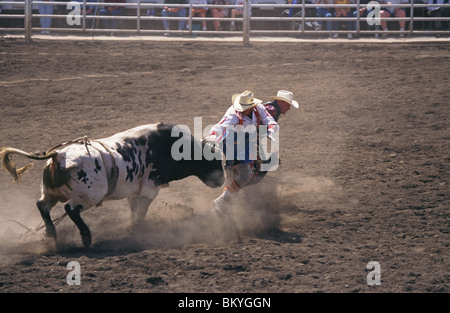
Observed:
{"x":286,"y":96}
{"x":244,"y":101}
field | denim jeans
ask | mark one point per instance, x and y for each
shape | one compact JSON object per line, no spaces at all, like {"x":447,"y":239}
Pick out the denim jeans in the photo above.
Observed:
{"x":321,"y":12}
{"x":46,"y":22}
{"x":350,"y":24}
{"x":113,"y":23}
{"x":181,"y":13}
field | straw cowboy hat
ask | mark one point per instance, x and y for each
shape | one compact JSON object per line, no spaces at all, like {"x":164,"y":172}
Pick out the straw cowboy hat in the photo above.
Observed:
{"x":286,"y":96}
{"x":244,"y":101}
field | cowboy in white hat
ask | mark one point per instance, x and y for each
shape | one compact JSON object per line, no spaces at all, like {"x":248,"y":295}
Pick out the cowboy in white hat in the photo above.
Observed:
{"x":245,"y":111}
{"x":280,"y":104}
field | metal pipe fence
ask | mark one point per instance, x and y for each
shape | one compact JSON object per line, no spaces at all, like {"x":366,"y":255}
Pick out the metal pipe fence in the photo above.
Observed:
{"x":296,"y":23}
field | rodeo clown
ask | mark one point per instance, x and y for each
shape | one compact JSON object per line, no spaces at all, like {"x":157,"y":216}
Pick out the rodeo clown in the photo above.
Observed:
{"x":247,"y":113}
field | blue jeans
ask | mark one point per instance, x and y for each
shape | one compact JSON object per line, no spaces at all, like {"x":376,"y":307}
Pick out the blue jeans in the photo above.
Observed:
{"x":350,"y":25}
{"x":243,"y":147}
{"x":181,"y":13}
{"x":322,"y":12}
{"x":363,"y":17}
{"x":46,"y":22}
{"x":111,"y":24}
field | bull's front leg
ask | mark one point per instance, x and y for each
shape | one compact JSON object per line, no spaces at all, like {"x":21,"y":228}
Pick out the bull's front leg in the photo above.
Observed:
{"x":139,"y":207}
{"x":139,"y":204}
{"x":75,"y":216}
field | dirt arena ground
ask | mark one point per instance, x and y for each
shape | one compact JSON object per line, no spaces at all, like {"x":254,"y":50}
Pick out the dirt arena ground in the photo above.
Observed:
{"x":364,"y":172}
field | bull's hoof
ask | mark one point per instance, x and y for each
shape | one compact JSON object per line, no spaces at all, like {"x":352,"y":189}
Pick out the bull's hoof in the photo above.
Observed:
{"x":51,"y":233}
{"x":87,"y":239}
{"x":49,"y":244}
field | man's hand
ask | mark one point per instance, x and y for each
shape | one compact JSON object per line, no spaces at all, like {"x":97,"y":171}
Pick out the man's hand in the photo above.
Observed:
{"x":211,"y":139}
{"x":270,"y":135}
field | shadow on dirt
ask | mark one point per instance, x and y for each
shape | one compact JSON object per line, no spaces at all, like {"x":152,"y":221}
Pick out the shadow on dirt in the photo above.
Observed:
{"x":280,"y":236}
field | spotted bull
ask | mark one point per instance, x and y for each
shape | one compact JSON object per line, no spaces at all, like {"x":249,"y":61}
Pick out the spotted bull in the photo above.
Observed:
{"x":133,"y":164}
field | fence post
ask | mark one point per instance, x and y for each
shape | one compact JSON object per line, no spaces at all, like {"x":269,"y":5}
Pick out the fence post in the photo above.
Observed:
{"x":303,"y":16}
{"x":246,"y":22}
{"x":138,"y":16}
{"x":358,"y":17}
{"x":411,"y":28}
{"x":28,"y":19}
{"x":84,"y":16}
{"x":190,"y":17}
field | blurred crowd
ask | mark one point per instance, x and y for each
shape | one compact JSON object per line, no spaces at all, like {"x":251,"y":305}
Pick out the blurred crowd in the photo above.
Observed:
{"x":172,"y":9}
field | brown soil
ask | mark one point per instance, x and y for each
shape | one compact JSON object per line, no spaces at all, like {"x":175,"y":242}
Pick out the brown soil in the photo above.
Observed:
{"x":364,"y":172}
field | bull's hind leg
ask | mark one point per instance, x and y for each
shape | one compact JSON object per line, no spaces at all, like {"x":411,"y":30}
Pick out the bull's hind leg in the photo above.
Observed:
{"x":75,"y":216}
{"x":45,"y":205}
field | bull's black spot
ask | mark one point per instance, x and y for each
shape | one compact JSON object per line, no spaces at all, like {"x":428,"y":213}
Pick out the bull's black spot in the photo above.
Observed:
{"x":127,"y":151}
{"x":141,"y":141}
{"x":81,"y":175}
{"x":98,"y":168}
{"x":141,"y":166}
{"x":140,"y":157}
{"x":142,"y":172}
{"x":131,"y":153}
{"x":130,"y":172}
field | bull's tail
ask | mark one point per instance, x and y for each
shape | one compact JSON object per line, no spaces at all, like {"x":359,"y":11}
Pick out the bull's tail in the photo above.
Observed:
{"x":7,"y":164}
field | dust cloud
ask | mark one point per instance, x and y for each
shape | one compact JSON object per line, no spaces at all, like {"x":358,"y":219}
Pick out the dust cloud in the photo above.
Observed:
{"x":170,"y":222}
{"x":175,"y":218}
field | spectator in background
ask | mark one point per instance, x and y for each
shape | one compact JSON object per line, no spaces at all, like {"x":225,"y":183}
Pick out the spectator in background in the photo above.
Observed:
{"x":62,"y":10}
{"x":199,"y":11}
{"x":323,"y":12}
{"x":343,"y":12}
{"x":363,"y":11}
{"x":173,"y":12}
{"x":393,"y":12}
{"x":219,"y":12}
{"x":434,"y":10}
{"x":237,"y":12}
{"x":112,"y":11}
{"x":46,"y":22}
{"x":90,"y":11}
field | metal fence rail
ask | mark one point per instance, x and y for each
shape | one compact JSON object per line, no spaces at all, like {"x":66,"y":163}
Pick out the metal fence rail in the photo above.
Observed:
{"x":134,"y":14}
